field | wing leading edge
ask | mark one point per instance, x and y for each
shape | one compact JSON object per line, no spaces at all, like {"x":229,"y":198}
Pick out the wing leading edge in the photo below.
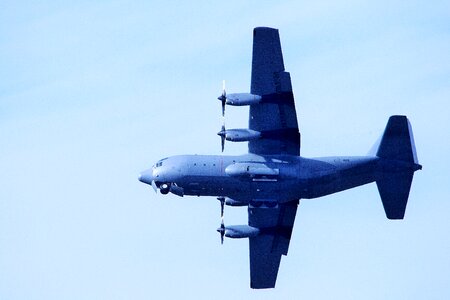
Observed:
{"x":275,"y":117}
{"x":275,"y":225}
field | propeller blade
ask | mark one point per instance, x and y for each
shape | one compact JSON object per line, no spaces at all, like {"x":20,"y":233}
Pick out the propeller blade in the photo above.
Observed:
{"x":222,"y":134}
{"x":155,"y":188}
{"x":223,"y":97}
{"x":221,"y":230}
{"x":222,"y":205}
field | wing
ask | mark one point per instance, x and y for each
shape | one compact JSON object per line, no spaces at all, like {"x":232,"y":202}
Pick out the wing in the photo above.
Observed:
{"x":275,"y":225}
{"x":275,"y":115}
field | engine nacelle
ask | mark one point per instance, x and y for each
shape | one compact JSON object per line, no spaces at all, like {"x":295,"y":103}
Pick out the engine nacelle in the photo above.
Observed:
{"x":241,"y":135}
{"x":232,"y":202}
{"x":241,"y":99}
{"x":241,"y":231}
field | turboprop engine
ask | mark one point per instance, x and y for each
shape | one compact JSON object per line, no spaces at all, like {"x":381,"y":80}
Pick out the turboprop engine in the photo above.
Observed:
{"x":239,"y":135}
{"x":241,"y":99}
{"x":237,"y":231}
{"x":240,"y":231}
{"x":232,"y":202}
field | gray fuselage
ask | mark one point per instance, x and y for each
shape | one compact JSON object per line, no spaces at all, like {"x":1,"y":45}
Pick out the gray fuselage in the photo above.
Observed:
{"x":253,"y":177}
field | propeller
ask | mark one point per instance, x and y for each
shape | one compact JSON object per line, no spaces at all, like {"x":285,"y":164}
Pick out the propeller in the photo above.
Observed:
{"x":221,"y":230}
{"x":222,"y":134}
{"x":223,"y":98}
{"x":222,"y":204}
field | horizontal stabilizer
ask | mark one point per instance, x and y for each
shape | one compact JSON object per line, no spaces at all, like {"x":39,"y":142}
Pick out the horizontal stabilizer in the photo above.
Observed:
{"x":399,"y":160}
{"x":397,"y":142}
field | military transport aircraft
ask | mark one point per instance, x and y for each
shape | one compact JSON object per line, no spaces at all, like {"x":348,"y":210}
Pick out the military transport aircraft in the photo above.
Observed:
{"x":272,"y":178}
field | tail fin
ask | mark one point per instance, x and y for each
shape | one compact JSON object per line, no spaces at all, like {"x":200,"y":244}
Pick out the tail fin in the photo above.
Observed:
{"x":399,"y":162}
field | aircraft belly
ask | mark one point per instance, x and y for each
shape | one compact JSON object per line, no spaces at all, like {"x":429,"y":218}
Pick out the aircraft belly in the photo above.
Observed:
{"x":214,"y":186}
{"x":284,"y":190}
{"x":341,"y":177}
{"x":310,"y":178}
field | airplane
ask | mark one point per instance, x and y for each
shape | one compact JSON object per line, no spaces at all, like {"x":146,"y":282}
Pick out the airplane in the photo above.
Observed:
{"x":272,"y":177}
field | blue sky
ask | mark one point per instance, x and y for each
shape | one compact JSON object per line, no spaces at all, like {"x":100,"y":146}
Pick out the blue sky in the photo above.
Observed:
{"x":91,"y":93}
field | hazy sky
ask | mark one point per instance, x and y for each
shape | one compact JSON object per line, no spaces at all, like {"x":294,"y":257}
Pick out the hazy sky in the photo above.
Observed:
{"x":94,"y":92}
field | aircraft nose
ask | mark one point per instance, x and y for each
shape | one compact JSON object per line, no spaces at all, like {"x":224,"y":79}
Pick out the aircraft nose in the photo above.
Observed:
{"x":146,"y":176}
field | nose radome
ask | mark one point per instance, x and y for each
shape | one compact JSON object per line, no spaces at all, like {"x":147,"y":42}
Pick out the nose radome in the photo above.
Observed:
{"x":146,"y":176}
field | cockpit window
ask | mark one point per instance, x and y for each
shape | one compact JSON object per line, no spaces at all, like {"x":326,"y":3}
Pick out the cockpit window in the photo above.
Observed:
{"x":160,"y":163}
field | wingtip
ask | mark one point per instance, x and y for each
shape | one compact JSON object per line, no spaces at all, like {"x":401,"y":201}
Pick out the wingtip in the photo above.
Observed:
{"x":262,"y":28}
{"x":261,"y":286}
